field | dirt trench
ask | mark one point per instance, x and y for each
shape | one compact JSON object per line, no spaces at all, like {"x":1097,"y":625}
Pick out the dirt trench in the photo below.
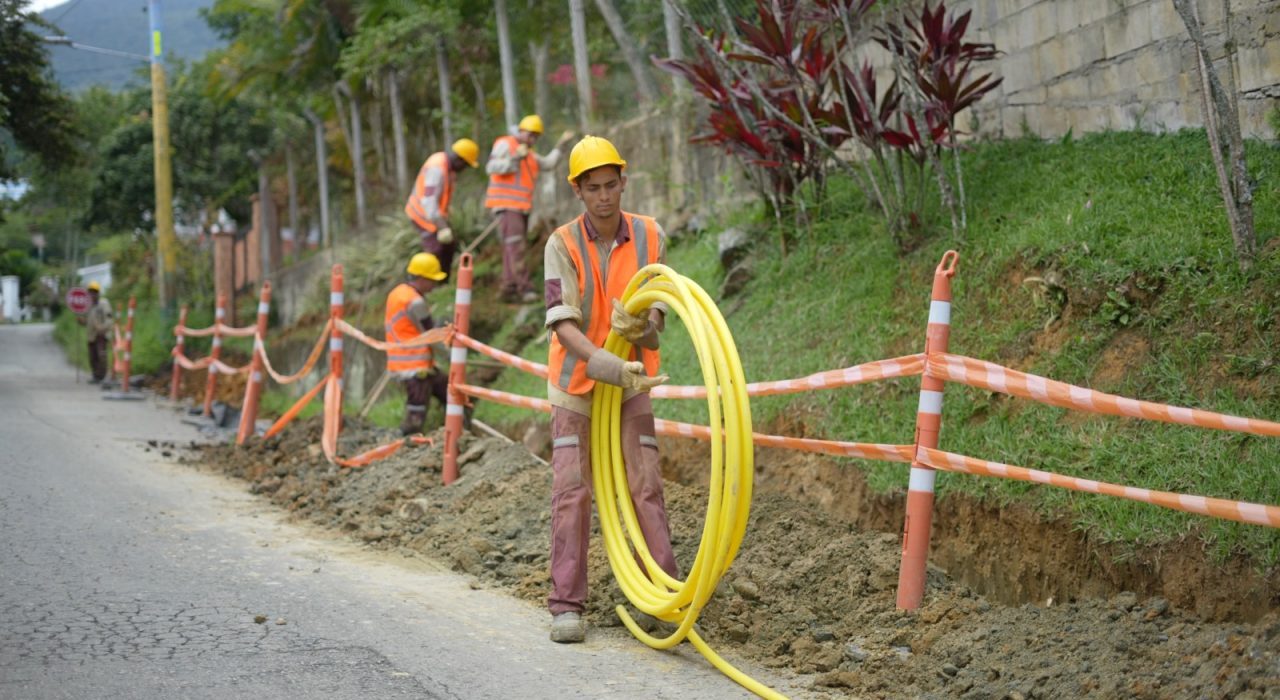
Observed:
{"x":811,"y":592}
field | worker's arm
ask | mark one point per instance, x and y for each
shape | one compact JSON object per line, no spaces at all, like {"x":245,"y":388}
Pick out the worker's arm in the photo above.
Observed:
{"x":501,"y":160}
{"x":432,"y":188}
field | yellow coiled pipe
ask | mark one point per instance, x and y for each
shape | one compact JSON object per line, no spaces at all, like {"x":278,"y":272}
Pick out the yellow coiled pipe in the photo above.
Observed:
{"x":732,"y":463}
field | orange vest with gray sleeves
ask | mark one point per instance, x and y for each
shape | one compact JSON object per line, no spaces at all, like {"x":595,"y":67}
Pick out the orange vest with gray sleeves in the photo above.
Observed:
{"x":400,"y":327}
{"x":513,"y":190}
{"x":598,"y":292}
{"x":438,"y":161}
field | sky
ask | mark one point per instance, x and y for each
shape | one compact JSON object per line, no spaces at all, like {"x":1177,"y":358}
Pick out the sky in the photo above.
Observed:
{"x":42,"y":5}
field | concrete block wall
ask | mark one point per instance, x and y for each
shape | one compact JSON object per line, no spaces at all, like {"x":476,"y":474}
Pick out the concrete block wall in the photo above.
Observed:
{"x":1093,"y":65}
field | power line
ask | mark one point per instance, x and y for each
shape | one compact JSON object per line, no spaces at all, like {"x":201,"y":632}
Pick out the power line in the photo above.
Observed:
{"x":70,"y":6}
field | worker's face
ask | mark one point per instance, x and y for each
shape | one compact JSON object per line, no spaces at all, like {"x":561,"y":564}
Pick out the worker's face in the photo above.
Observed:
{"x":528,"y":137}
{"x":457,"y":164}
{"x":601,"y":190}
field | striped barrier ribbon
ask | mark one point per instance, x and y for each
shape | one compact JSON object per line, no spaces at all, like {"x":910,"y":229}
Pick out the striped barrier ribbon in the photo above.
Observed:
{"x":993,"y":377}
{"x":435,"y":335}
{"x":296,"y":408}
{"x":890,"y":453}
{"x":333,"y":424}
{"x":223,"y":368}
{"x":194,"y":332}
{"x":905,"y":366}
{"x":312,"y":359}
{"x":1239,"y":511}
{"x":242,"y":332}
{"x":188,"y":364}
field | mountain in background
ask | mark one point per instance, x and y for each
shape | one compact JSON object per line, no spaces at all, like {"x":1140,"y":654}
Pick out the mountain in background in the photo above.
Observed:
{"x":123,"y":25}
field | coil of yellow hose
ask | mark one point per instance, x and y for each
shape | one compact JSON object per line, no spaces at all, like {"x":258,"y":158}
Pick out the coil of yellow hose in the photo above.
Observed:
{"x":651,"y":590}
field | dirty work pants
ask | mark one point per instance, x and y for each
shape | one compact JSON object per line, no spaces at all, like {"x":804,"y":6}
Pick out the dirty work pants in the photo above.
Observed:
{"x":418,"y":391}
{"x":98,"y":357}
{"x":512,"y":226}
{"x":443,"y":251}
{"x":571,"y":491}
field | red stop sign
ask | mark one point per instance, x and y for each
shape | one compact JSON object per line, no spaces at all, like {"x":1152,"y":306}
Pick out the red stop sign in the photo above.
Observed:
{"x":78,"y":299}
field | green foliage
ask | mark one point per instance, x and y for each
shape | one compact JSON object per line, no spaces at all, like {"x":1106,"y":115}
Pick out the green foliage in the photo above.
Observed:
{"x":33,"y":109}
{"x":17,"y":262}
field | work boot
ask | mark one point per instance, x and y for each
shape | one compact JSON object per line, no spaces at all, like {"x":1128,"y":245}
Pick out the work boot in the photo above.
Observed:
{"x":568,"y":628}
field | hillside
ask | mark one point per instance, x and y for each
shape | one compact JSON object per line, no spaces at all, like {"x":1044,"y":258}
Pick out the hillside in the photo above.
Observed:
{"x":122,"y":26}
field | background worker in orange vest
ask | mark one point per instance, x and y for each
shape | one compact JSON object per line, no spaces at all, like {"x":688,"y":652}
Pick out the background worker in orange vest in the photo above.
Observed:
{"x":513,"y":168}
{"x":408,"y":316}
{"x":428,"y":205}
{"x":589,"y":263}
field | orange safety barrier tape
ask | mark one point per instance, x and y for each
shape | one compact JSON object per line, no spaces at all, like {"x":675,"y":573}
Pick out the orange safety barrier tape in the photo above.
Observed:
{"x":1239,"y":511}
{"x":905,"y":366}
{"x":435,"y":335}
{"x":242,"y":332}
{"x":193,"y":332}
{"x":296,"y":408}
{"x":223,"y":368}
{"x":890,"y":453}
{"x":333,"y":424}
{"x":987,"y":375}
{"x":188,"y":364}
{"x":506,"y":358}
{"x":314,"y":357}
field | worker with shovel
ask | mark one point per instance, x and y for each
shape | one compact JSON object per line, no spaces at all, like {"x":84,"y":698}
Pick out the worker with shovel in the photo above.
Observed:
{"x":408,"y":316}
{"x":428,"y":205}
{"x":589,"y":263}
{"x":513,"y":169}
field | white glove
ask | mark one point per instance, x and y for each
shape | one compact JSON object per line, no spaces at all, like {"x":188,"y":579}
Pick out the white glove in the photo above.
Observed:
{"x":522,"y":150}
{"x":445,"y":235}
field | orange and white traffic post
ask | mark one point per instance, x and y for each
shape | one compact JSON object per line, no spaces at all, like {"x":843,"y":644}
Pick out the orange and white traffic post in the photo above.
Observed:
{"x":919,"y":520}
{"x":128,"y":347}
{"x":175,"y":380}
{"x":215,"y":352}
{"x":455,"y":411}
{"x":336,"y":301}
{"x":253,"y":391}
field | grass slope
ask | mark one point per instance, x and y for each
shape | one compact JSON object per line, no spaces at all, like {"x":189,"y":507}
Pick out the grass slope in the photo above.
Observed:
{"x":1103,"y":262}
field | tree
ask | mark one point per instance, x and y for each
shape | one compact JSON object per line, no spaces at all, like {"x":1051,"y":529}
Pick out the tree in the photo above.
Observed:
{"x":33,"y":109}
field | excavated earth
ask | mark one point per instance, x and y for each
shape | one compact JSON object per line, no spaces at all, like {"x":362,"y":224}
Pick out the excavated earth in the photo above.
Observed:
{"x":809,"y":593}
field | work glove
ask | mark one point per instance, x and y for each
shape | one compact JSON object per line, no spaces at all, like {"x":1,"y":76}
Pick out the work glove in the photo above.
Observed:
{"x":522,"y":150}
{"x":637,"y":330}
{"x":445,"y":235}
{"x":604,"y":366}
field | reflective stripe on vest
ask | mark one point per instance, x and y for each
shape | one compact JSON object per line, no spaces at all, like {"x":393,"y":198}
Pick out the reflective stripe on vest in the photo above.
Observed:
{"x":600,"y":284}
{"x":400,"y":327}
{"x":413,"y":208}
{"x":513,"y":190}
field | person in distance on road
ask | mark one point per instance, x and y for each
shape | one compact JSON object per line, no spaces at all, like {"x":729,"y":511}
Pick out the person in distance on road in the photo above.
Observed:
{"x":97,"y":323}
{"x":588,"y":263}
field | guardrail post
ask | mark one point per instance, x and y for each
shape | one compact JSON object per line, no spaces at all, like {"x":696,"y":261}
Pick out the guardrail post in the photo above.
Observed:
{"x":215,"y":352}
{"x":253,"y":390}
{"x":128,"y":347}
{"x":919,"y":519}
{"x":455,"y":411}
{"x":175,"y":380}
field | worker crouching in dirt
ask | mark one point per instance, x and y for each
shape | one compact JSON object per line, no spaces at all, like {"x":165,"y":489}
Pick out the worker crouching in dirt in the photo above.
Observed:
{"x":408,"y":316}
{"x":588,"y":264}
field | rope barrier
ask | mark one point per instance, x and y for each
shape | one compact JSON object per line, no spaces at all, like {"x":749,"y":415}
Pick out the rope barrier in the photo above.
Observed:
{"x":435,"y":335}
{"x":295,"y":409}
{"x":316,"y":351}
{"x":223,"y":368}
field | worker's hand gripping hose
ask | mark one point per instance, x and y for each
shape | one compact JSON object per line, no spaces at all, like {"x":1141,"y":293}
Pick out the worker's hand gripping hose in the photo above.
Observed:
{"x":650,"y":589}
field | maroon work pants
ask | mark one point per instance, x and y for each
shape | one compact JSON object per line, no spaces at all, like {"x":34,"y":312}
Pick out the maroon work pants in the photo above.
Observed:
{"x":571,"y":497}
{"x":443,"y":251}
{"x":512,"y":226}
{"x":98,"y":357}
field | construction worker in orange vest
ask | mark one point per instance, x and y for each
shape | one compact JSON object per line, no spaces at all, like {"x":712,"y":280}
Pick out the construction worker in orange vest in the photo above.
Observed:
{"x":589,"y":263}
{"x":428,"y":205}
{"x":408,"y":316}
{"x":513,"y":168}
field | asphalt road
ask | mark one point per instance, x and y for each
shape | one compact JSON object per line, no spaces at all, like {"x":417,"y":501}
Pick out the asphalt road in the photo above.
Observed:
{"x":126,"y":575}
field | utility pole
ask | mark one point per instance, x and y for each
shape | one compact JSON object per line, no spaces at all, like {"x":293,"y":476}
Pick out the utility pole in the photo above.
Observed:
{"x":166,"y":241}
{"x":510,"y":104}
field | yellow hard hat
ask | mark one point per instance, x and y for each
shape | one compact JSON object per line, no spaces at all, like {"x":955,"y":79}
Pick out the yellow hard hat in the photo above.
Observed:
{"x":591,"y":153}
{"x":467,"y":150}
{"x":95,"y":287}
{"x":426,"y":265}
{"x":532,"y":123}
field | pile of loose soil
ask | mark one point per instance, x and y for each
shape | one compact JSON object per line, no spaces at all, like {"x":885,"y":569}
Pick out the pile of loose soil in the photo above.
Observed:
{"x":809,"y":593}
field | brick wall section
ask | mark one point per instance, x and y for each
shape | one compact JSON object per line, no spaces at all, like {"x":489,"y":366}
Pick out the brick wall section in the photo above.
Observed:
{"x":1093,"y":65}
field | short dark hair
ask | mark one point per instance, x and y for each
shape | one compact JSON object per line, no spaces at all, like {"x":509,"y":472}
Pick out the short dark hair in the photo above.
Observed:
{"x":578,"y":180}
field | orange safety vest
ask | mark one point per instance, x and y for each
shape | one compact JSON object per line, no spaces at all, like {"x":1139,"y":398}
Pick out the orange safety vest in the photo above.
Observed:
{"x":400,"y":327}
{"x":513,"y":190}
{"x":568,"y":371}
{"x":414,"y":206}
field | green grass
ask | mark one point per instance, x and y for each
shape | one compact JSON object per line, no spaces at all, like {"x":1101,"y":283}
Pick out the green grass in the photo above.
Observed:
{"x":1155,"y":308}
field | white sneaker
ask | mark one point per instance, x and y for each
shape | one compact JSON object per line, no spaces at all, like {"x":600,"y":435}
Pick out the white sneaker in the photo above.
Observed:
{"x":568,"y":628}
